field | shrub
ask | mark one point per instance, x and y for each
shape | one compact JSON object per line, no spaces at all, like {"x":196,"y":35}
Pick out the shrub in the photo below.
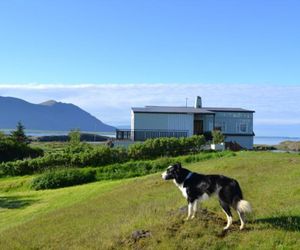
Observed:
{"x":83,"y":155}
{"x":218,"y":137}
{"x":159,"y":147}
{"x":57,"y":178}
{"x":10,"y":151}
{"x":140,"y":168}
{"x":63,"y":178}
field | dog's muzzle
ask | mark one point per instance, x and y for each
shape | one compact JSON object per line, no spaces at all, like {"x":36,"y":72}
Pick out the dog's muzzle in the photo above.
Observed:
{"x":164,"y":175}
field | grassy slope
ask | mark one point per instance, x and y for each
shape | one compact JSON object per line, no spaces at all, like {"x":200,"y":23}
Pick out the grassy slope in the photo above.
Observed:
{"x":103,"y":215}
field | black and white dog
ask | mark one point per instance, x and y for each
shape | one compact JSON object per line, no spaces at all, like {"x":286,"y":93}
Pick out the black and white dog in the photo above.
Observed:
{"x":197,"y":187}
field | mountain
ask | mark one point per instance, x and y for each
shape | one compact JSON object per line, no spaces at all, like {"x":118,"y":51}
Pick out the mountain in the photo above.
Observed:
{"x":49,"y":115}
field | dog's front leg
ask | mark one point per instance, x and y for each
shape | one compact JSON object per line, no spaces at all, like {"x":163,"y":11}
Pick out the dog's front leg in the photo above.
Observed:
{"x":194,"y":205}
{"x":190,"y":207}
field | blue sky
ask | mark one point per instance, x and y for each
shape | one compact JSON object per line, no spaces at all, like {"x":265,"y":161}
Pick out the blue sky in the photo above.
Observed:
{"x":177,"y":41}
{"x":107,"y":56}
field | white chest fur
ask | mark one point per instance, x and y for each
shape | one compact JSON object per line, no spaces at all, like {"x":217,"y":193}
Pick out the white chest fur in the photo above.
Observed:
{"x":181,"y":188}
{"x":203,"y":197}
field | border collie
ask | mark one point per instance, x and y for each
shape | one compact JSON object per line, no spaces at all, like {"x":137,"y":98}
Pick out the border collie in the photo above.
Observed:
{"x":197,"y":187}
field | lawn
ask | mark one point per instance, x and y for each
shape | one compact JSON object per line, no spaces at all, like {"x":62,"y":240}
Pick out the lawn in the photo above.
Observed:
{"x":103,"y":215}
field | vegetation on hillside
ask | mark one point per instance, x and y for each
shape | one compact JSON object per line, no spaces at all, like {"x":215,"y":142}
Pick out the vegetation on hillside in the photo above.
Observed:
{"x":78,"y":154}
{"x":15,"y":146}
{"x":58,"y":177}
{"x":105,"y":215}
{"x":289,"y":146}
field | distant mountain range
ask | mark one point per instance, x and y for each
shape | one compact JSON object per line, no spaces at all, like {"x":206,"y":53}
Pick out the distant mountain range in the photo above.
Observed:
{"x":49,"y":115}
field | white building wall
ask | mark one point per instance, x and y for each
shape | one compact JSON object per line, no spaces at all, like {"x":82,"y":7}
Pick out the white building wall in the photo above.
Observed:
{"x":163,"y":121}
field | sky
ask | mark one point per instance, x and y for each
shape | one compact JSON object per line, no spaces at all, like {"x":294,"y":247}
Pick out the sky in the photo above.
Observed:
{"x":276,"y":108}
{"x":109,"y":55}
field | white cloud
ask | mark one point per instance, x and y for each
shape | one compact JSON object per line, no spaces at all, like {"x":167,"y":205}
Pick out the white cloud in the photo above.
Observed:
{"x":111,"y":103}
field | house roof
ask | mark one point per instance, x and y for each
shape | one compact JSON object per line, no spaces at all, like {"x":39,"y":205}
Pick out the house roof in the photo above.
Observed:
{"x":217,"y":109}
{"x":184,"y":110}
{"x":166,"y":109}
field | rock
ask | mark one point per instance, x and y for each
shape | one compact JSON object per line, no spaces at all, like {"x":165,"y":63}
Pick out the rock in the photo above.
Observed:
{"x":138,"y":234}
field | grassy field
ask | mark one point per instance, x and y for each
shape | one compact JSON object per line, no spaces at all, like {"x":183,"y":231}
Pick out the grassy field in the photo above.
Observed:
{"x":103,"y":215}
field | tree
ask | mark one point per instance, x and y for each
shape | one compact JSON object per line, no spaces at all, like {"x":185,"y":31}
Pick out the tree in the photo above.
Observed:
{"x":2,"y":136}
{"x":74,"y":137}
{"x":18,"y":135}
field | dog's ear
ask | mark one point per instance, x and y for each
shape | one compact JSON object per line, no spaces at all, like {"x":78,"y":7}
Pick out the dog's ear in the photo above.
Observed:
{"x":178,"y":165}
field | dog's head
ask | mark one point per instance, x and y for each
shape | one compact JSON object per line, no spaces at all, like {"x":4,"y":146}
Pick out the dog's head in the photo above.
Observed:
{"x":171,"y":172}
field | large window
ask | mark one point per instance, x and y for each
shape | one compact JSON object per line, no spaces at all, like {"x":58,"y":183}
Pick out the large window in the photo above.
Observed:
{"x":221,"y":126}
{"x":243,"y":127}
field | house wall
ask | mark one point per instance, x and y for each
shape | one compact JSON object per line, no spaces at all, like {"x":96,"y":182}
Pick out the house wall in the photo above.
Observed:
{"x":244,"y":141}
{"x":208,"y":121}
{"x":229,"y":121}
{"x":234,"y":122}
{"x":163,"y":121}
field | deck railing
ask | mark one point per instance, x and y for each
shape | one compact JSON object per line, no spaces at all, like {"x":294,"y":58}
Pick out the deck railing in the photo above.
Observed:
{"x":144,"y":134}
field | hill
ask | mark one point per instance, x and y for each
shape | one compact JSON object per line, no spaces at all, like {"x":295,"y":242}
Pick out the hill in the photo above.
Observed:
{"x":103,"y":215}
{"x":49,"y":115}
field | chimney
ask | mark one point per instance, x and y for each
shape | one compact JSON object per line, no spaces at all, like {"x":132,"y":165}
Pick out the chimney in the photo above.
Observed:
{"x":198,"y":102}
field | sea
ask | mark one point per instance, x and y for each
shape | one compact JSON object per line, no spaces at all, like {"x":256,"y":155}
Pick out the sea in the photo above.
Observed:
{"x":267,"y":140}
{"x":30,"y":132}
{"x":273,"y":140}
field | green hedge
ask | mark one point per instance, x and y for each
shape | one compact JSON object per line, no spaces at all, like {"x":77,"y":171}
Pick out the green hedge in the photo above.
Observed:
{"x":159,"y":147}
{"x":11,"y":151}
{"x":68,"y":177}
{"x":63,"y":178}
{"x":85,"y":155}
{"x":140,"y":168}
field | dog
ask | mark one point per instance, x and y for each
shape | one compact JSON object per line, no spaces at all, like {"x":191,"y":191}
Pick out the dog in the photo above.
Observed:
{"x":198,"y":187}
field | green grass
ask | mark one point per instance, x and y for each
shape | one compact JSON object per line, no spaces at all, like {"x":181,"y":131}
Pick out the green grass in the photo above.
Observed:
{"x":103,"y":215}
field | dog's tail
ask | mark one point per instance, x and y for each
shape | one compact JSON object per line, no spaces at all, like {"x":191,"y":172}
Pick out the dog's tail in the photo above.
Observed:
{"x":244,"y":206}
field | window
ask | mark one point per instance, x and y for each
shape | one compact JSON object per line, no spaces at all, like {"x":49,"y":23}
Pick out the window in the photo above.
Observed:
{"x":243,"y":127}
{"x":220,"y":126}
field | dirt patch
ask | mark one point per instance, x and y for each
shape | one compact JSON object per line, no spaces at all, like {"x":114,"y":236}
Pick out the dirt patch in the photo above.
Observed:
{"x":139,"y":234}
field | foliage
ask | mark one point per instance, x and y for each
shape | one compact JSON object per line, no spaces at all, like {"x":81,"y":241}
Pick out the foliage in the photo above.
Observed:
{"x":208,"y":135}
{"x":109,"y":211}
{"x":63,"y":178}
{"x":218,"y":137}
{"x":84,"y":155}
{"x":74,"y":137}
{"x":11,"y":150}
{"x":140,"y":168}
{"x":159,"y":147}
{"x":289,"y":146}
{"x":18,"y":135}
{"x":57,"y":178}
{"x":263,"y":147}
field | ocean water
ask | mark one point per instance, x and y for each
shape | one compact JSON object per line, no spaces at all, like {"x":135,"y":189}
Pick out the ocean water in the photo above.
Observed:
{"x":30,"y":132}
{"x":273,"y":140}
{"x":268,"y":140}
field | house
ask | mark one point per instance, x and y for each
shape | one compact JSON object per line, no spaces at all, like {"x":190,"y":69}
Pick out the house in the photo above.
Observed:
{"x":164,"y":121}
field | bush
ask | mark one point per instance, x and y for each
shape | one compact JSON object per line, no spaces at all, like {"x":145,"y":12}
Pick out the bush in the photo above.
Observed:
{"x":63,"y":178}
{"x":69,"y":177}
{"x":218,"y":137}
{"x":140,"y":168}
{"x":11,"y":151}
{"x":83,"y":155}
{"x":159,"y":147}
